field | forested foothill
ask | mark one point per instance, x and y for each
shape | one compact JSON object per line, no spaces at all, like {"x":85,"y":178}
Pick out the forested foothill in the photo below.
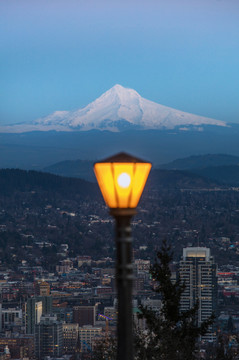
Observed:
{"x":38,"y":208}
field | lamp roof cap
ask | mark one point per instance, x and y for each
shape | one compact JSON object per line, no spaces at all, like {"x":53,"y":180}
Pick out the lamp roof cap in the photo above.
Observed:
{"x":122,"y":157}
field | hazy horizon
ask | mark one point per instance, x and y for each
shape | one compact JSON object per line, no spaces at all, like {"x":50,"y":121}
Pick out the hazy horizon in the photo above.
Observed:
{"x":62,"y":55}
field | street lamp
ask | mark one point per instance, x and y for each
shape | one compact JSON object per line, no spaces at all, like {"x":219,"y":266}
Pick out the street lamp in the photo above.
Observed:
{"x":121,"y":179}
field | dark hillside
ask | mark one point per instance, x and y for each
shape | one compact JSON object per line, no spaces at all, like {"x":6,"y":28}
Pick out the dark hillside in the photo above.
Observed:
{"x":15,"y":180}
{"x":82,"y":169}
{"x":201,"y":161}
{"x":40,"y":211}
{"x":175,"y":179}
{"x":225,"y":174}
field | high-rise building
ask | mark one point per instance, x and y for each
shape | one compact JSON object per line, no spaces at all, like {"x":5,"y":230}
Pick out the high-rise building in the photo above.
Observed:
{"x":33,"y":311}
{"x":88,"y":336}
{"x":46,"y":304}
{"x":48,"y":337}
{"x":198,"y":272}
{"x":84,"y":315}
{"x":70,"y":337}
{"x":11,"y":317}
{"x":42,"y":288}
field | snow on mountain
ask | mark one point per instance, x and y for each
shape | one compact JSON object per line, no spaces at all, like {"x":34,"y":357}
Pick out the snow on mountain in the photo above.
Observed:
{"x":117,"y":109}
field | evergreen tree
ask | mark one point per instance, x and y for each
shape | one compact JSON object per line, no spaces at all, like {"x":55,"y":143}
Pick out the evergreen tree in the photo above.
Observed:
{"x":105,"y":349}
{"x":172,"y":334}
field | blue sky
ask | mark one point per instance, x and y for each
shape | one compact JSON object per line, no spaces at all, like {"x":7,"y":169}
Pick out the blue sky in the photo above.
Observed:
{"x":62,"y":54}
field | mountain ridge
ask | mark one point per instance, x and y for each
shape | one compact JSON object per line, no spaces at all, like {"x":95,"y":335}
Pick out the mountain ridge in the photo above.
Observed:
{"x":216,"y":167}
{"x":15,"y":180}
{"x":222,"y":168}
{"x":117,"y":109}
{"x":201,"y":161}
{"x":36,"y":150}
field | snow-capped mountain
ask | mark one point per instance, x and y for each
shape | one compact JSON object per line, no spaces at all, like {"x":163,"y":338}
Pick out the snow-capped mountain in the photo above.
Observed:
{"x":118,"y":109}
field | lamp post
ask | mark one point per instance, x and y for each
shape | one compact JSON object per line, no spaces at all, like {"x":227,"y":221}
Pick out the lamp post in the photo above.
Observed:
{"x":121,"y":179}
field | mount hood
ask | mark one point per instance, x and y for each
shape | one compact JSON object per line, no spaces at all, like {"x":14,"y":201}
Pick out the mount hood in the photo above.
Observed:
{"x":117,"y":109}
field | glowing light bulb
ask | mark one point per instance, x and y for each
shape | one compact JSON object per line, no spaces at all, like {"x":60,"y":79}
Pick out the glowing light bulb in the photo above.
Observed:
{"x":124,"y":180}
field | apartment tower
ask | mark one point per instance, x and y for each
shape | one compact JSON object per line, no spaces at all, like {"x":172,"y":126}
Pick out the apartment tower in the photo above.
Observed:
{"x":198,"y":272}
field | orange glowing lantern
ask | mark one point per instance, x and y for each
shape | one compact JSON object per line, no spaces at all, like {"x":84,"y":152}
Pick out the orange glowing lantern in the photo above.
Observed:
{"x":121,"y":179}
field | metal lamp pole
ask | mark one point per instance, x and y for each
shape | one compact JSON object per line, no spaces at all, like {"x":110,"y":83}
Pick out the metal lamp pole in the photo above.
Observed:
{"x":124,"y":281}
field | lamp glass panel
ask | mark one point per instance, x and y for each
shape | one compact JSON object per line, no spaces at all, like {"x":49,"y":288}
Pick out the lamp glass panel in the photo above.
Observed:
{"x":122,"y":184}
{"x":140,"y":177}
{"x":104,"y":175}
{"x":123,"y":179}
